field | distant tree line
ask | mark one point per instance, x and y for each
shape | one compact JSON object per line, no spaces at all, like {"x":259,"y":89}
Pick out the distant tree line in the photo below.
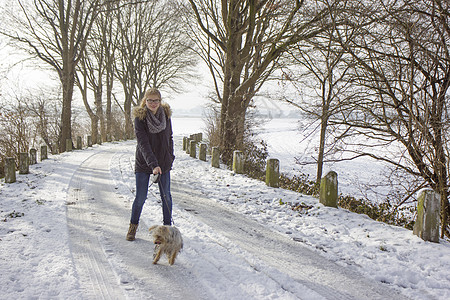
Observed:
{"x":371,"y":75}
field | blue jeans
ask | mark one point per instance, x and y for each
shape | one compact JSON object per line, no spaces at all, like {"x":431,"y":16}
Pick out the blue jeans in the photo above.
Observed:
{"x":142,"y":180}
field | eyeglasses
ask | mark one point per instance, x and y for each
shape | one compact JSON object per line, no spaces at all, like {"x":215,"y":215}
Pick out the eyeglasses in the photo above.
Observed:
{"x":153,"y":101}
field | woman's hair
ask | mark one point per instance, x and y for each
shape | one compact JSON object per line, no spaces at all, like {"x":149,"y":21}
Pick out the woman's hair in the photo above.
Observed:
{"x":148,"y":93}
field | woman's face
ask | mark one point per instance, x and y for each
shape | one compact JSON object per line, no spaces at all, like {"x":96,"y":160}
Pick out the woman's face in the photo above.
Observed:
{"x":153,"y":102}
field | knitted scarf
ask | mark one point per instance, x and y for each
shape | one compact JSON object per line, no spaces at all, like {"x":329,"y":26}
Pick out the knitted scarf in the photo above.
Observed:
{"x":156,"y":122}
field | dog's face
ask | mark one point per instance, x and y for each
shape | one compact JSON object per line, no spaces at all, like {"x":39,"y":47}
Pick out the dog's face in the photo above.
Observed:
{"x":160,"y":234}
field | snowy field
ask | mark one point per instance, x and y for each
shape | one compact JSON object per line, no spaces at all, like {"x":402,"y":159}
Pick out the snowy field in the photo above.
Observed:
{"x":36,"y":258}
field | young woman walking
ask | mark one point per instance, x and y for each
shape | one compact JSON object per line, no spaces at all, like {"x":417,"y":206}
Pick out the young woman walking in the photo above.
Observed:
{"x":154,"y":155}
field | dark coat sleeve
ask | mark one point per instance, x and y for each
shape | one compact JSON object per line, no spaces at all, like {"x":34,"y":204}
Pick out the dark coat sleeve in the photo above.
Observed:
{"x":143,"y":143}
{"x":171,"y":151}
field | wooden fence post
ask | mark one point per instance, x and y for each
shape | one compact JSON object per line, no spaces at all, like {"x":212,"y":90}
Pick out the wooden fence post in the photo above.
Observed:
{"x":202,"y":153}
{"x":215,"y":157}
{"x":188,"y":145}
{"x":193,"y":148}
{"x":33,"y":156}
{"x":238,"y":162}
{"x":79,"y":143}
{"x":185,"y":142}
{"x":68,"y":145}
{"x":24,"y":163}
{"x":273,"y":172}
{"x":198,"y":137}
{"x":329,"y":189}
{"x":427,"y":222}
{"x":10,"y":170}
{"x":44,"y":152}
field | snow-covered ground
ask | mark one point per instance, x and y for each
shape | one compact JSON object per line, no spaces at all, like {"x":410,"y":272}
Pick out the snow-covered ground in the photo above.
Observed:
{"x":37,"y":255}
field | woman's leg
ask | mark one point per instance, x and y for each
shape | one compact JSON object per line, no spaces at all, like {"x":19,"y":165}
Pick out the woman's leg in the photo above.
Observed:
{"x":141,"y":195}
{"x":166,"y":197}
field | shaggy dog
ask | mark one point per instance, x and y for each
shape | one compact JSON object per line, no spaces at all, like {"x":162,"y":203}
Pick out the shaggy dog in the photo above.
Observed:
{"x":168,"y":240}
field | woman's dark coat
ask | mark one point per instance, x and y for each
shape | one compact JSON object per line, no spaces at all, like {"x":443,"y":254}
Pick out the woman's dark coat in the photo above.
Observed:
{"x":153,"y":149}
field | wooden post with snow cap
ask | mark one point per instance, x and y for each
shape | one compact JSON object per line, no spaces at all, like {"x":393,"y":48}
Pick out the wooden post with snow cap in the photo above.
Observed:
{"x":193,"y":148}
{"x":33,"y":156}
{"x":215,"y":157}
{"x":10,"y":170}
{"x":273,"y":172}
{"x":24,"y":163}
{"x":427,"y":222}
{"x":202,"y":153}
{"x":238,"y":162}
{"x":185,"y":141}
{"x":44,"y":152}
{"x":329,"y":189}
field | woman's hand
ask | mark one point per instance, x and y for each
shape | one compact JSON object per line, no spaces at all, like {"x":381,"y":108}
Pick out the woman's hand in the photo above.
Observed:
{"x":157,"y":170}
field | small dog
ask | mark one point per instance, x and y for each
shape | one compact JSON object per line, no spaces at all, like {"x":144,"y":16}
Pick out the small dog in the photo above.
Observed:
{"x":168,"y":240}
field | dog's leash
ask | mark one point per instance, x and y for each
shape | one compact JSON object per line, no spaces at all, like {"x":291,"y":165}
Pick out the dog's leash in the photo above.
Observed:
{"x":154,"y":178}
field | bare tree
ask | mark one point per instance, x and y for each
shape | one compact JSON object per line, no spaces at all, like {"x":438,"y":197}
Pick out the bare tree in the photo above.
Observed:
{"x":56,"y":32}
{"x":242,"y":41}
{"x":15,"y":125}
{"x":45,"y":110}
{"x":402,"y":72}
{"x":316,"y":69}
{"x":152,"y":51}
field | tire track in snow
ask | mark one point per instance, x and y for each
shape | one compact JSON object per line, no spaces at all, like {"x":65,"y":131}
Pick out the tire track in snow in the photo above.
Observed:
{"x":97,"y":279}
{"x":287,"y":262}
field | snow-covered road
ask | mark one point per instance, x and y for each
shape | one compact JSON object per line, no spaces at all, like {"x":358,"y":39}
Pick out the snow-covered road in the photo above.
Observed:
{"x":226,"y":254}
{"x":108,"y":266}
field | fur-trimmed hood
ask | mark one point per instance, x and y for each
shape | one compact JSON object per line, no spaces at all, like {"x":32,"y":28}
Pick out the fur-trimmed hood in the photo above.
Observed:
{"x":141,"y":112}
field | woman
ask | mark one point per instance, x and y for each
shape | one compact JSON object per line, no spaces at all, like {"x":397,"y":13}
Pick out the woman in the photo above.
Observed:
{"x":154,"y":155}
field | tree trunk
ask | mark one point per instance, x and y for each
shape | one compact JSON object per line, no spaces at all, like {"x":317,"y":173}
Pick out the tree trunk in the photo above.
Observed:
{"x":323,"y":129}
{"x":129,"y":130}
{"x":99,"y":111}
{"x":67,"y":81}
{"x":109,"y":86}
{"x":233,"y":131}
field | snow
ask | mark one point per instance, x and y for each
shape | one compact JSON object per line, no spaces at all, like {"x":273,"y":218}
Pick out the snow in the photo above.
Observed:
{"x":37,"y":257}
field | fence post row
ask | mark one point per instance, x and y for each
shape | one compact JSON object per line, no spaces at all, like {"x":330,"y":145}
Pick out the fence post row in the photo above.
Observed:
{"x":26,"y":159}
{"x":428,"y":209}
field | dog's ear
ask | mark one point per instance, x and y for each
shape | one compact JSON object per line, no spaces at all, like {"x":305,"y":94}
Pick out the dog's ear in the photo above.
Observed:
{"x":153,"y":227}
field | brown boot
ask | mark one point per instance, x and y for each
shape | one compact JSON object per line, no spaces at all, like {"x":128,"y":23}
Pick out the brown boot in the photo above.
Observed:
{"x":132,"y":232}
